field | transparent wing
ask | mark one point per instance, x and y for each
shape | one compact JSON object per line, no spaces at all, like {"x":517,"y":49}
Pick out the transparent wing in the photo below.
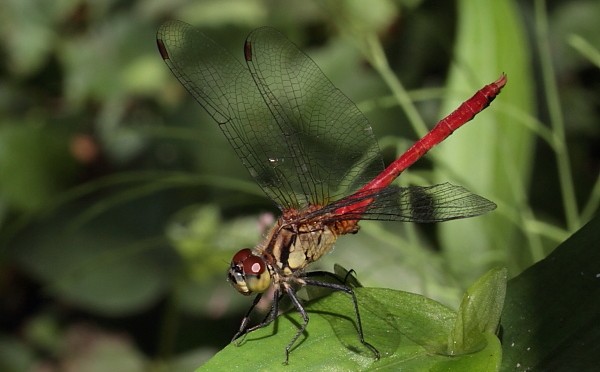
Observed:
{"x":302,"y":140}
{"x":424,"y":204}
{"x":329,"y":142}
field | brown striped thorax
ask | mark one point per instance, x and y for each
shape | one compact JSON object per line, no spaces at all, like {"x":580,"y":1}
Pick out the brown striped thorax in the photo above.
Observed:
{"x":287,"y":249}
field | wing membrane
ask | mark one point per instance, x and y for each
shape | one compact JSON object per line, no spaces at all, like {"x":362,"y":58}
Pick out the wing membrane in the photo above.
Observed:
{"x":330,"y":141}
{"x":302,"y":140}
{"x":423,"y":204}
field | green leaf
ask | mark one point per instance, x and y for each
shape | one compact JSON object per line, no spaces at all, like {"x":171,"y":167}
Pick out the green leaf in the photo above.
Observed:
{"x":29,"y":32}
{"x":15,"y":355}
{"x":35,"y":164}
{"x":492,"y":155}
{"x":551,"y":317}
{"x":479,"y":312}
{"x":113,"y":265}
{"x":410,"y":331}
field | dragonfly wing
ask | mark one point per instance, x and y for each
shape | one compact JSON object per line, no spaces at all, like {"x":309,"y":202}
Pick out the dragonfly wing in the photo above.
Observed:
{"x":435,"y":203}
{"x":330,"y":150}
{"x":225,"y":89}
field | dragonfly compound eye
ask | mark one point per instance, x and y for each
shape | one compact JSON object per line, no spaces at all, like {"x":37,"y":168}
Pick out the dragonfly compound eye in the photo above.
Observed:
{"x":248,"y":273}
{"x":240,"y":256}
{"x":258,"y":278}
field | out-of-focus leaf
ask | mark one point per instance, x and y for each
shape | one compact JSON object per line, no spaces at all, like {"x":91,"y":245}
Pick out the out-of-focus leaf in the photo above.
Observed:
{"x":580,"y":18}
{"x":27,"y":28}
{"x":217,"y":13}
{"x":99,"y":64}
{"x":35,"y":164}
{"x":15,"y":355}
{"x":492,"y":155}
{"x":206,"y":243}
{"x":90,"y":349}
{"x":364,"y":16}
{"x":114,"y":264}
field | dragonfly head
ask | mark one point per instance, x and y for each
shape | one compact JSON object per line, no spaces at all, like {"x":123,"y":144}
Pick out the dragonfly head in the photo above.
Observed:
{"x":248,"y":273}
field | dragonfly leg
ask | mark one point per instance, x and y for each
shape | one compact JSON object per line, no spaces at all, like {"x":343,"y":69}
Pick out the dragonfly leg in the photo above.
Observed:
{"x":292,"y":294}
{"x":350,"y":291}
{"x":271,"y":315}
{"x":331,"y":275}
{"x":242,"y":330}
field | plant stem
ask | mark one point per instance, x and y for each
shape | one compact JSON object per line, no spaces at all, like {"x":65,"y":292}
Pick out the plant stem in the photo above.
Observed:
{"x":556,"y":117}
{"x":378,"y":60}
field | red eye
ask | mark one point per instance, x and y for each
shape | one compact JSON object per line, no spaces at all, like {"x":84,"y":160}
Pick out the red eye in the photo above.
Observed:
{"x":241,"y":256}
{"x":254,"y":265}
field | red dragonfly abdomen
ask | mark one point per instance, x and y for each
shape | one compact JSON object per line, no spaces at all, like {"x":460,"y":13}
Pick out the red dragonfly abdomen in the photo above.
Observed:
{"x":444,"y":128}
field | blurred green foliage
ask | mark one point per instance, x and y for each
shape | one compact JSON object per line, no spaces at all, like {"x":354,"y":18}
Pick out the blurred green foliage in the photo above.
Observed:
{"x":121,"y":202}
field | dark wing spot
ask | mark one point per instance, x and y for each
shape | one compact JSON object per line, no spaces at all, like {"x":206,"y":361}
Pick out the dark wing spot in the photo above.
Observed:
{"x":162,"y":49}
{"x":423,"y":204}
{"x":248,"y":51}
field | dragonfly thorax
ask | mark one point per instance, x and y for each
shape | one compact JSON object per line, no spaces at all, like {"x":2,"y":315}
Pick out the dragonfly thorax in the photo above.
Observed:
{"x":282,"y":256}
{"x":290,"y":246}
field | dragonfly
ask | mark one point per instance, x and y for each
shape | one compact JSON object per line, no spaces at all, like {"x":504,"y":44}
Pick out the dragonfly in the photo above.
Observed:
{"x":313,"y":153}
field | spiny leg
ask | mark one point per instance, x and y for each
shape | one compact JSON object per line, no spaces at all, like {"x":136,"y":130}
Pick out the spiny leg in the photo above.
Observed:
{"x":242,"y":330}
{"x":330,"y":275}
{"x":271,"y":315}
{"x":350,"y":291}
{"x":350,"y":273}
{"x":292,"y":294}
